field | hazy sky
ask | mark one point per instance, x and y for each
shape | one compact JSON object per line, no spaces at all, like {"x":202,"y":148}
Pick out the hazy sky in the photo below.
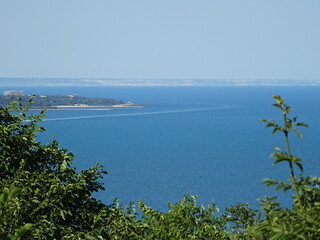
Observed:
{"x":160,"y":38}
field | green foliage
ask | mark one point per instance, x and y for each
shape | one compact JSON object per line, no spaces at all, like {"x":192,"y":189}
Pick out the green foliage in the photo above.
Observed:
{"x":184,"y":220}
{"x":240,"y":218}
{"x":288,"y":126}
{"x":53,"y":197}
{"x":56,"y":100}
{"x":8,"y":200}
{"x":302,"y":221}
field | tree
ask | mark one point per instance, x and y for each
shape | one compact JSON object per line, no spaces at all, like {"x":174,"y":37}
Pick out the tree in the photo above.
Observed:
{"x":302,"y":221}
{"x":53,"y":197}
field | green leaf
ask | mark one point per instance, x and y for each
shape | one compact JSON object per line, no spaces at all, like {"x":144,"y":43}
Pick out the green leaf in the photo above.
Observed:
{"x":302,"y":124}
{"x":299,"y":165}
{"x":14,"y":192}
{"x":62,"y":215}
{"x":297,"y":132}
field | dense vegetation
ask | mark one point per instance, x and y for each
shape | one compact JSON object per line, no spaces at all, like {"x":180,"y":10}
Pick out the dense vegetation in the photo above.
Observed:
{"x":43,"y":197}
{"x":57,"y":100}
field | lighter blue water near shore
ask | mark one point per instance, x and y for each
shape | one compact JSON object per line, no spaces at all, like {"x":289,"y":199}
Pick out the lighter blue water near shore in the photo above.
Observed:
{"x":203,"y":140}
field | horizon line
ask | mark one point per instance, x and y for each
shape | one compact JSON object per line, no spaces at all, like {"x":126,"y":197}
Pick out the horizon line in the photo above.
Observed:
{"x":166,"y":78}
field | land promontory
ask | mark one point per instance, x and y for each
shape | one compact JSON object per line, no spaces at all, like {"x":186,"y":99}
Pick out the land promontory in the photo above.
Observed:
{"x":56,"y":101}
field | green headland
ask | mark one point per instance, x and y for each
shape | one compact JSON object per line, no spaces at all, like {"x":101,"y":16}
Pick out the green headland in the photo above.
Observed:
{"x":59,"y":101}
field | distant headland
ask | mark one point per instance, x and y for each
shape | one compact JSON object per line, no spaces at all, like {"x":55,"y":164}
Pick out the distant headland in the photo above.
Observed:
{"x":60,"y":102}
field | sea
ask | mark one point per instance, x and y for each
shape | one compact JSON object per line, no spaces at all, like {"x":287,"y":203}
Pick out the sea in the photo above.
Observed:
{"x":203,"y":141}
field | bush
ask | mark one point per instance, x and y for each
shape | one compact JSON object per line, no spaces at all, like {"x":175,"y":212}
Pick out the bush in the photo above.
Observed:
{"x":53,"y":197}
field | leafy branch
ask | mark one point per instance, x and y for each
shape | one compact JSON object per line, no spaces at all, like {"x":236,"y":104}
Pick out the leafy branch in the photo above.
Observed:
{"x":289,"y":125}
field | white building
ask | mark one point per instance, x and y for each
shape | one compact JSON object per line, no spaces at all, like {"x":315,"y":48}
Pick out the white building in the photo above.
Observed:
{"x":13,"y":93}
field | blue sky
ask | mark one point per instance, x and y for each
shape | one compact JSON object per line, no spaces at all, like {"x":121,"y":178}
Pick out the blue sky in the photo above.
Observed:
{"x":160,"y":38}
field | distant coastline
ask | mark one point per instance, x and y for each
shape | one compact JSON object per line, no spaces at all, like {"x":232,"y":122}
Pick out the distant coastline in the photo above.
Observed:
{"x":63,"y":103}
{"x":127,"y":82}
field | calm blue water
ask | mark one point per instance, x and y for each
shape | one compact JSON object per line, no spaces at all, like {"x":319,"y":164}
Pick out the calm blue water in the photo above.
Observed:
{"x":203,"y":140}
